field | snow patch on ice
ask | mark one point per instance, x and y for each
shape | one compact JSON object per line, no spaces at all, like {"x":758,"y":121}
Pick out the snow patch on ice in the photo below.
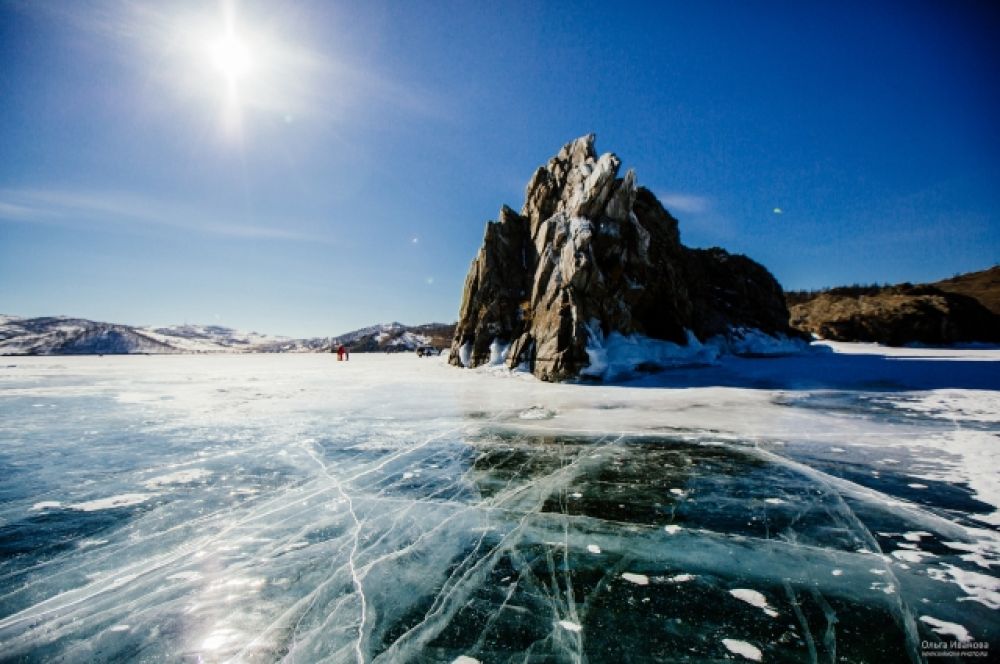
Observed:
{"x":754,"y":598}
{"x":914,"y":536}
{"x":123,"y":500}
{"x":637,"y":579}
{"x":672,"y":529}
{"x":978,"y":587}
{"x":743,"y":648}
{"x":945,"y":628}
{"x":570,"y":625}
{"x":536,"y":413}
{"x":180,"y":477}
{"x":910,"y":555}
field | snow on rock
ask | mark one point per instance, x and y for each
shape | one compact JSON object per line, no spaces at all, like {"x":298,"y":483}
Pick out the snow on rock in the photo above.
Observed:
{"x":619,"y":355}
{"x":498,"y":352}
{"x":465,"y":354}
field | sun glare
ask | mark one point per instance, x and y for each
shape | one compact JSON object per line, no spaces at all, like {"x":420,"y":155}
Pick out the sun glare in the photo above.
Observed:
{"x":237,"y":62}
{"x":231,"y":57}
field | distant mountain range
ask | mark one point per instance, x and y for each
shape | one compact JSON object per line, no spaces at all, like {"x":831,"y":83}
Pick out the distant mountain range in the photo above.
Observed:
{"x":59,"y":335}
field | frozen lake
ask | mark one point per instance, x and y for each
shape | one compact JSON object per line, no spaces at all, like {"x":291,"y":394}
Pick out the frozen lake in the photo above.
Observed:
{"x":832,"y":507}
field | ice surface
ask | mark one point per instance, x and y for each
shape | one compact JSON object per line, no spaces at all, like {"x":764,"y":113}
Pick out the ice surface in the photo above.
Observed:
{"x":391,"y":509}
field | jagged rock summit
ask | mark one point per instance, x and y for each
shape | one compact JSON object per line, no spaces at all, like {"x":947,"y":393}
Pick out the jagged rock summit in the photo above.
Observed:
{"x":591,"y":278}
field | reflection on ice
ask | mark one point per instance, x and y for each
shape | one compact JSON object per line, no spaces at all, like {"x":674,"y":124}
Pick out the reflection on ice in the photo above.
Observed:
{"x":267,"y":508}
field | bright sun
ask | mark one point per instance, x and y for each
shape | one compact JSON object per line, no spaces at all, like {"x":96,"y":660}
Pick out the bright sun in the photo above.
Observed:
{"x":231,"y":57}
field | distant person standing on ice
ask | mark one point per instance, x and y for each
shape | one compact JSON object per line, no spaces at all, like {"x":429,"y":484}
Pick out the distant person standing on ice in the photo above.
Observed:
{"x":340,"y":352}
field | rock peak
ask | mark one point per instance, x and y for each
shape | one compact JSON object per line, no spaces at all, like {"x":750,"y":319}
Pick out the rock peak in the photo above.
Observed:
{"x":591,"y":254}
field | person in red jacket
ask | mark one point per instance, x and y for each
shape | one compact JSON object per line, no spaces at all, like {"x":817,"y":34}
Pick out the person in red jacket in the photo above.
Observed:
{"x":340,"y":352}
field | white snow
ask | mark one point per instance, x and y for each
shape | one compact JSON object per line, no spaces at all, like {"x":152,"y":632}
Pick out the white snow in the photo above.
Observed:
{"x":751,"y":341}
{"x":910,"y":555}
{"x":570,"y":625}
{"x":536,"y":413}
{"x":178,"y":477}
{"x":754,"y":598}
{"x":112,"y":502}
{"x":498,"y":352}
{"x":593,"y":548}
{"x":945,"y":628}
{"x":637,"y":579}
{"x":743,"y":649}
{"x":618,"y":355}
{"x":465,"y":354}
{"x":672,"y":529}
{"x":978,"y":587}
{"x":916,"y":535}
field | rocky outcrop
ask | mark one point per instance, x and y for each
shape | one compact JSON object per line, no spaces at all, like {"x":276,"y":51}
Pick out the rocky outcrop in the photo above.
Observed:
{"x":896,"y":316}
{"x":591,"y":254}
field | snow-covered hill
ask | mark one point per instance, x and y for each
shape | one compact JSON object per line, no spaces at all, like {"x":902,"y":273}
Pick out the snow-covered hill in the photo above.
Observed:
{"x":396,"y":337}
{"x":58,"y":335}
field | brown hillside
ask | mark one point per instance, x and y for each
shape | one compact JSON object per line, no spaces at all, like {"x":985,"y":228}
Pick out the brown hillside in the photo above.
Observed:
{"x":896,"y":316}
{"x":983,"y":285}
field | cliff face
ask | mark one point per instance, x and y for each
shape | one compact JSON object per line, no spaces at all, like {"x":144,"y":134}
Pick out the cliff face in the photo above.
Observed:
{"x":591,"y":254}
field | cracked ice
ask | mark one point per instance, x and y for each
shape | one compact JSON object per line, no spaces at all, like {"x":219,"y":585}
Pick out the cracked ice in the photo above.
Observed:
{"x":390,"y":509}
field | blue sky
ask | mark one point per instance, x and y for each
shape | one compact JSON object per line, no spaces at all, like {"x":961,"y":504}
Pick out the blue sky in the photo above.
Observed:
{"x":335,"y":167}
